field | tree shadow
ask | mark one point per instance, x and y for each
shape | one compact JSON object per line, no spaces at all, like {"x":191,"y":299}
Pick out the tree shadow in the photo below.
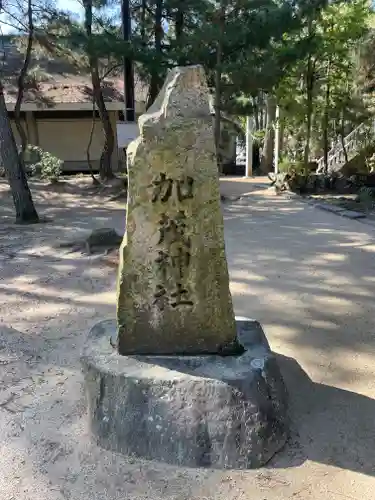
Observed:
{"x":110,"y":91}
{"x":328,"y":425}
{"x":303,"y":269}
{"x":320,"y":276}
{"x":33,"y":93}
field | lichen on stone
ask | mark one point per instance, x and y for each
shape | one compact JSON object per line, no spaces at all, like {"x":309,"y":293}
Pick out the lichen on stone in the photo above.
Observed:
{"x":173,"y":285}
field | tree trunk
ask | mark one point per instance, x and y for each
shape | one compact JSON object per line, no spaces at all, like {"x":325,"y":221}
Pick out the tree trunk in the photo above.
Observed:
{"x":21,"y":82}
{"x":342,"y":136}
{"x":266,"y":164}
{"x":179,"y":22}
{"x":105,"y":168}
{"x":309,"y":110}
{"x":143,"y":22}
{"x":326,"y":120}
{"x":88,"y":157}
{"x":262,"y":121}
{"x":309,"y":82}
{"x":217,"y":99}
{"x":256,"y":114}
{"x":155,"y":81}
{"x":14,"y":169}
{"x":281,"y":131}
{"x":179,"y":28}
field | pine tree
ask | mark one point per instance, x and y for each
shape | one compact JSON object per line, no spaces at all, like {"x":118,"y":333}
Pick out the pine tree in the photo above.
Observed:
{"x":15,"y":169}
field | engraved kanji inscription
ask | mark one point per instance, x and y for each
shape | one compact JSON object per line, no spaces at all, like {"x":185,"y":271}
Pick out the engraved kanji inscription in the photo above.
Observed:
{"x":162,"y":262}
{"x":174,"y":256}
{"x":185,"y":188}
{"x":180,"y":297}
{"x":162,"y":188}
{"x":180,"y":257}
{"x":172,"y":236}
{"x":160,"y":297}
{"x":173,"y":261}
{"x":171,"y":230}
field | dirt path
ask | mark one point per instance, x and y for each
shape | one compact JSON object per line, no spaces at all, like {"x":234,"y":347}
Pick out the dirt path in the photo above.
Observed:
{"x":307,"y":275}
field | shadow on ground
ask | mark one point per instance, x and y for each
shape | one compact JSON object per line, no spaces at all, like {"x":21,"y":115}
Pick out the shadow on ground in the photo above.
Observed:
{"x":329,"y":425}
{"x":306,"y":275}
{"x":306,"y":270}
{"x":58,"y":202}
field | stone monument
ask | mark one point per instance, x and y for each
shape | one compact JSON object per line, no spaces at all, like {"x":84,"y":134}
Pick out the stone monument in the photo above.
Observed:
{"x":173,"y":292}
{"x":178,"y":378}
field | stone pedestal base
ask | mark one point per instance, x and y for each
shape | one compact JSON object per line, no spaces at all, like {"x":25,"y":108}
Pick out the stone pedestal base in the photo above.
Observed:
{"x":222,"y":412}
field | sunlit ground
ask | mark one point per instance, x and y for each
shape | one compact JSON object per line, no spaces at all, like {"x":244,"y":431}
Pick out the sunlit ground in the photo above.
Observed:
{"x":307,"y":275}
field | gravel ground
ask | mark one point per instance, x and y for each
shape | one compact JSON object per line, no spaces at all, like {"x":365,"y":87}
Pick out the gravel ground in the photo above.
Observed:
{"x":307,"y":275}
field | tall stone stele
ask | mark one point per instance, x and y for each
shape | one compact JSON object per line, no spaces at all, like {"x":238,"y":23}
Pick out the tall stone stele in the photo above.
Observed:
{"x":180,"y":387}
{"x":173,"y":286}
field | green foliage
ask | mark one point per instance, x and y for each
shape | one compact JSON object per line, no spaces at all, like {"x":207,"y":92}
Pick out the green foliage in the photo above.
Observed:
{"x":370,"y":163}
{"x":289,"y":167}
{"x":252,"y":34}
{"x":284,"y":165}
{"x":304,"y":53}
{"x":290,"y":180}
{"x":326,"y":74}
{"x":258,"y":138}
{"x":366,"y":198}
{"x":48,"y":166}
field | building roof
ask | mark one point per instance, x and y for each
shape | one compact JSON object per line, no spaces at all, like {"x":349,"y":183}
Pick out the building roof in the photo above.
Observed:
{"x":53,"y":82}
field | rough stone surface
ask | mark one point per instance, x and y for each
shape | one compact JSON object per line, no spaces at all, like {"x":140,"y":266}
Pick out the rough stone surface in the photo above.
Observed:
{"x":215,"y":411}
{"x":173,"y":286}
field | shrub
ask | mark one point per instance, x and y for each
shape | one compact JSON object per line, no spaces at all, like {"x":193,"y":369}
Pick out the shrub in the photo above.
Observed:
{"x":48,"y":166}
{"x":288,"y":167}
{"x":366,"y":197}
{"x":370,"y":163}
{"x":258,"y":138}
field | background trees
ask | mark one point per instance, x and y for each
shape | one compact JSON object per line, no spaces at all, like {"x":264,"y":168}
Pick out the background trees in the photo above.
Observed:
{"x":303,"y":56}
{"x":320,"y":95}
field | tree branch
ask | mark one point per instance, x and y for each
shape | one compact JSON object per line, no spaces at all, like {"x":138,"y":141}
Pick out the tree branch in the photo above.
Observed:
{"x":21,"y":80}
{"x":109,"y":71}
{"x":16,"y":26}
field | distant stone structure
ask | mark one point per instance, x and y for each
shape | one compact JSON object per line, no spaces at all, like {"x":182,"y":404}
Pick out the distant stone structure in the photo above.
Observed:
{"x":181,"y":381}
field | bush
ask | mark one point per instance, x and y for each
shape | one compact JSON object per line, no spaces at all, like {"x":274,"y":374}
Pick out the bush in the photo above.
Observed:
{"x":370,"y":163}
{"x":291,"y":167}
{"x":48,"y":166}
{"x":366,"y":198}
{"x":258,"y":138}
{"x":289,"y":181}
